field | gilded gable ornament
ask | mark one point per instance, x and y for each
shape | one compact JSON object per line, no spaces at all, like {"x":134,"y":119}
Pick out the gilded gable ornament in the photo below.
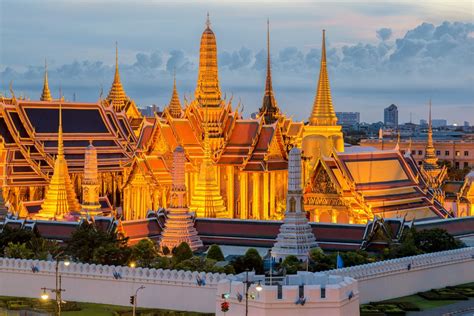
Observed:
{"x":322,"y":183}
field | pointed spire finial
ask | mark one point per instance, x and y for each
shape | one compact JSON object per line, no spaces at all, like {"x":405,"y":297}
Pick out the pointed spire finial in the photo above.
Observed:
{"x":323,"y":111}
{"x":46,"y":94}
{"x":60,"y":128}
{"x":117,"y":95}
{"x":208,"y":21}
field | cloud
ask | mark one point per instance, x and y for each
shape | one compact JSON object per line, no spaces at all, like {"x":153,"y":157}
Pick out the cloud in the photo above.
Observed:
{"x":384,"y":33}
{"x":426,"y":58}
{"x":179,"y":62}
{"x":237,"y":59}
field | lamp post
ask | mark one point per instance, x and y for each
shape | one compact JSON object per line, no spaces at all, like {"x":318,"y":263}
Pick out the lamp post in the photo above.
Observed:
{"x":134,"y":300}
{"x":58,"y":288}
{"x":247,"y":287}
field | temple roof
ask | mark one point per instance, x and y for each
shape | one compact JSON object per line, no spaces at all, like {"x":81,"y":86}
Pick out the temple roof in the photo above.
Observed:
{"x":384,"y":182}
{"x":31,"y":141}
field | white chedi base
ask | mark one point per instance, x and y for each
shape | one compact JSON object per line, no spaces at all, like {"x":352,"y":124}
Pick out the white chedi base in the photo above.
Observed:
{"x":179,"y":227}
{"x":295,"y":238}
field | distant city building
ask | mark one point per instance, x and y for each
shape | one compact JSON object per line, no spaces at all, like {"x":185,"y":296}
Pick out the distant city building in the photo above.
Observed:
{"x":466,"y":124}
{"x":348,"y":118}
{"x":423,"y":122}
{"x":149,"y":111}
{"x":439,"y":123}
{"x":390,"y":116}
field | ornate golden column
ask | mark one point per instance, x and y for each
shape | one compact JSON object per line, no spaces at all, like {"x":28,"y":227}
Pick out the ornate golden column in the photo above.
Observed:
{"x":266,"y":214}
{"x":244,"y":205}
{"x":273,"y":189}
{"x":256,"y":208}
{"x":230,"y":190}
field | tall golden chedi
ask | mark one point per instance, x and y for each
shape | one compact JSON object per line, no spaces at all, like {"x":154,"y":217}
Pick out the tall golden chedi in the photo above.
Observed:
{"x":207,"y":200}
{"x":322,"y":135}
{"x":60,"y":198}
{"x":90,"y":182}
{"x":433,"y":174}
{"x":179,"y":226}
{"x":174,"y":107}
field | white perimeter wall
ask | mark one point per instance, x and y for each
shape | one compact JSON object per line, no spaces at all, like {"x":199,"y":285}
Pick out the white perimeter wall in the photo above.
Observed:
{"x":393,"y":278}
{"x":168,"y":289}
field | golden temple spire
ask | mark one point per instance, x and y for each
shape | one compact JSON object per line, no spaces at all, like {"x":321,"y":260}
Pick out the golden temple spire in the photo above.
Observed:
{"x":46,"y":95}
{"x":431,"y":160}
{"x":207,"y":200}
{"x":323,"y":111}
{"x":60,"y":198}
{"x":174,"y":106}
{"x":208,"y":92}
{"x":269,"y":109}
{"x":117,"y":95}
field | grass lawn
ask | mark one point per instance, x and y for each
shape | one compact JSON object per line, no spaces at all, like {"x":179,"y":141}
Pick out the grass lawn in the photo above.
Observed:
{"x":91,"y":309}
{"x":425,"y":304}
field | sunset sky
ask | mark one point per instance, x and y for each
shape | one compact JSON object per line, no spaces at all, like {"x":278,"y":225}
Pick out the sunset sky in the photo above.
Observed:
{"x":380,"y":52}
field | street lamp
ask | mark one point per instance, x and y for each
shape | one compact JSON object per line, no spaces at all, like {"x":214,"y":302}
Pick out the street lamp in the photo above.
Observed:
{"x":133,"y":300}
{"x":57,"y":290}
{"x":248,"y":283}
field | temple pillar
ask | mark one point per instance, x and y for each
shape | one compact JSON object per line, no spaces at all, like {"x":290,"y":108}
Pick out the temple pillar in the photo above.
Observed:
{"x":256,"y":209}
{"x":243,"y":195}
{"x":334,"y":216}
{"x":230,"y":190}
{"x":266,"y":213}
{"x":273,"y":189}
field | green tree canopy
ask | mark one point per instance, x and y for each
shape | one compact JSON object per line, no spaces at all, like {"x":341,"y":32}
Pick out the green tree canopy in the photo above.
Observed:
{"x":436,"y":239}
{"x":182,"y":252}
{"x":250,"y":261}
{"x":144,"y":252}
{"x":291,"y":264}
{"x":88,"y":244}
{"x":15,"y":236}
{"x":19,"y":251}
{"x":215,"y":253}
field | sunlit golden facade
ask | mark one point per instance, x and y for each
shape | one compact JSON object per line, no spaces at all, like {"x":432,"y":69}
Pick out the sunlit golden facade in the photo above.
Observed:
{"x":234,"y":167}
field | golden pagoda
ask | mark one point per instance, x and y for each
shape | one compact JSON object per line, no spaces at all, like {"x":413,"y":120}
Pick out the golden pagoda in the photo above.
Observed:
{"x":322,"y":135}
{"x":269,"y":110}
{"x":179,"y":226}
{"x":60,"y":198}
{"x":90,"y":182}
{"x":174,"y":107}
{"x":207,"y":91}
{"x":117,"y":96}
{"x":207,"y":200}
{"x":431,"y":171}
{"x":46,"y":95}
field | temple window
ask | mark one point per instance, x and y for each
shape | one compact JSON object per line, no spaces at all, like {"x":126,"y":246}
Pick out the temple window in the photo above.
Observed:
{"x":438,"y":153}
{"x":420,"y":152}
{"x":466,"y":153}
{"x":466,"y":164}
{"x":292,"y":204}
{"x":446,"y":152}
{"x":413,"y":152}
{"x":458,"y":153}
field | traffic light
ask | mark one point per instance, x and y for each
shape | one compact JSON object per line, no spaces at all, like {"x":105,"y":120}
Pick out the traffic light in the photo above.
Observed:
{"x":132,"y":300}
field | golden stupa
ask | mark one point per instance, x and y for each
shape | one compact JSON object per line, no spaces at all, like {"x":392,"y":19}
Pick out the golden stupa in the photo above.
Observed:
{"x":60,"y":198}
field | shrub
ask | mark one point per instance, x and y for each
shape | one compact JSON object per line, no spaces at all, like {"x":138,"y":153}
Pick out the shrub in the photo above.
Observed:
{"x":436,"y":239}
{"x":291,"y":264}
{"x":250,"y":261}
{"x":215,"y":253}
{"x":182,"y":252}
{"x":144,"y":252}
{"x":19,"y":251}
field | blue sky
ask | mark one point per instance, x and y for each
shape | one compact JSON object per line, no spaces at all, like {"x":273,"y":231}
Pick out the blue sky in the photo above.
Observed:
{"x":379,"y":52}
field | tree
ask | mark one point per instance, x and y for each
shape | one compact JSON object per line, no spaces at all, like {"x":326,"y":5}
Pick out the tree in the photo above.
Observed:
{"x":405,"y":248}
{"x":292,"y":264}
{"x":88,"y":244}
{"x":43,"y":248}
{"x":250,"y":261}
{"x":320,"y":261}
{"x":15,"y":236}
{"x":436,"y":239}
{"x":19,"y":251}
{"x":182,"y":252}
{"x":144,"y":252}
{"x":354,"y":258}
{"x":215,"y":253}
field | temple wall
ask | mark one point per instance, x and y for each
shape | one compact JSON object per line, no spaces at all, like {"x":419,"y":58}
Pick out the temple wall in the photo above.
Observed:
{"x":97,"y":284}
{"x":406,"y":276}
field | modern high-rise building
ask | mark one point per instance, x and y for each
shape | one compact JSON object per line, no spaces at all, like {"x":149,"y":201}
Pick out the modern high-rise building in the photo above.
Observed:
{"x":390,"y":116}
{"x":439,"y":123}
{"x":348,"y":118}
